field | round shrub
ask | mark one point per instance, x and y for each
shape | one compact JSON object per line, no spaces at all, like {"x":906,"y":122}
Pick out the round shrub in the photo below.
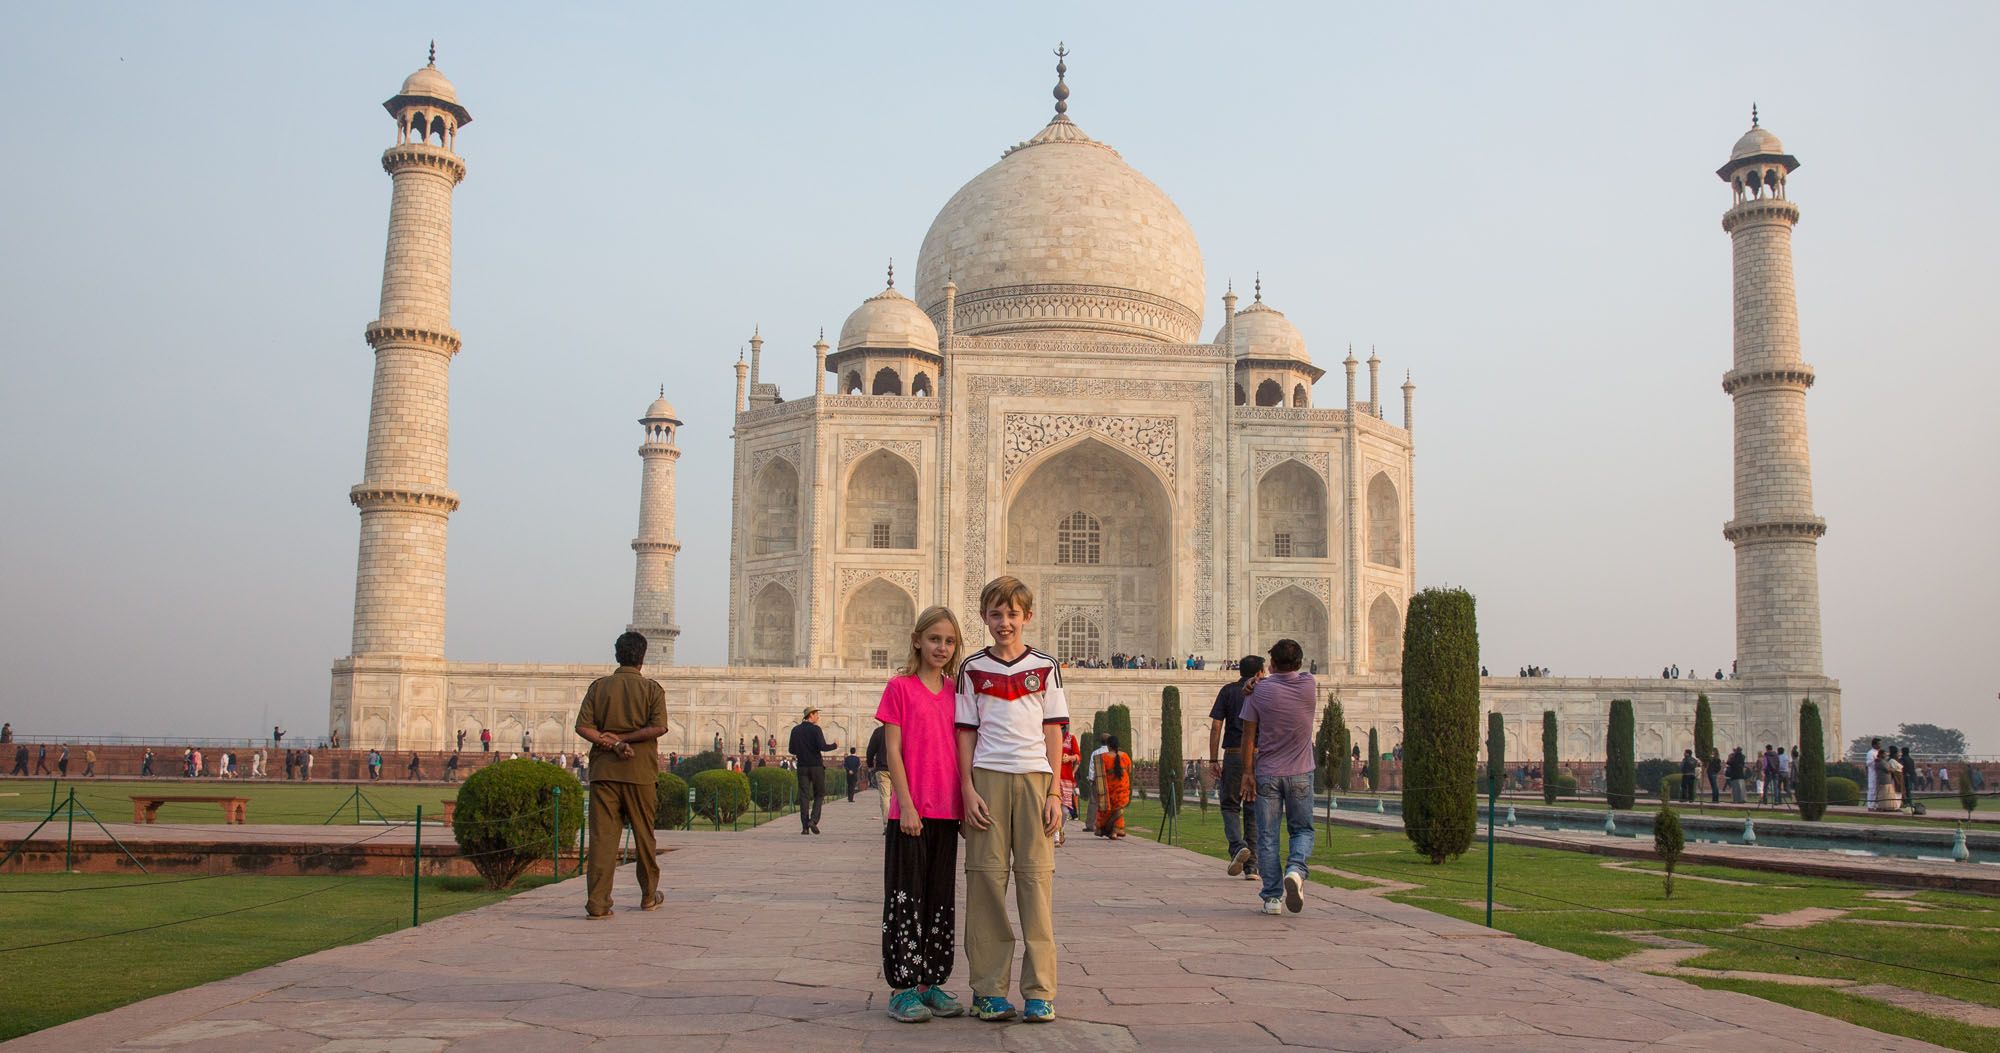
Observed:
{"x":1670,"y":787}
{"x":505,"y":818}
{"x":672,"y":808}
{"x":836,"y":782}
{"x":1654,"y":770}
{"x":706,"y":760}
{"x":1563,"y":785}
{"x":720,"y":796}
{"x":774,"y":788}
{"x":1842,"y":791}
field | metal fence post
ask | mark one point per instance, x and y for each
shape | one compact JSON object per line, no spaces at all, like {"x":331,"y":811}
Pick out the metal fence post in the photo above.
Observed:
{"x":417,"y":871}
{"x":69,"y":836}
{"x":1492,"y":799}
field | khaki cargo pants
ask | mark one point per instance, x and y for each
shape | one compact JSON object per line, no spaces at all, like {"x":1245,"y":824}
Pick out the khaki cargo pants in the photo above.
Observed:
{"x":1016,"y":843}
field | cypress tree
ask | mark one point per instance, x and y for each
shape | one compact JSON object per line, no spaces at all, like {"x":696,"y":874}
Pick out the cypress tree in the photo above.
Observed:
{"x":1668,"y":841}
{"x":1704,"y":728}
{"x":1326,"y":743}
{"x":1440,"y":722}
{"x":1621,"y":775}
{"x":1374,"y":762}
{"x":1118,"y":721}
{"x":1812,"y":764}
{"x":1496,"y":751}
{"x":1170,"y":751}
{"x":1548,"y":756}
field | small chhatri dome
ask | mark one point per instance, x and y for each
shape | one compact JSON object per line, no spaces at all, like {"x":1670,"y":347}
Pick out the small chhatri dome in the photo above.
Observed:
{"x":1757,"y":140}
{"x":1757,"y":147}
{"x":889,"y":320}
{"x":661,"y":409}
{"x":429,"y":85}
{"x":1263,"y":331}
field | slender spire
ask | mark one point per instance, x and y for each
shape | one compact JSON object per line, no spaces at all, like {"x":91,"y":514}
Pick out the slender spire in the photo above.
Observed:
{"x":1260,"y":286}
{"x":1062,"y":89}
{"x":663,"y":391}
{"x":1753,"y":115}
{"x":434,"y":53}
{"x":892,"y":272}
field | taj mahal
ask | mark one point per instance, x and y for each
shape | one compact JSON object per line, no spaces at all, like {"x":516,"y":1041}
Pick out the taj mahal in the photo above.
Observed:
{"x":1047,"y":395}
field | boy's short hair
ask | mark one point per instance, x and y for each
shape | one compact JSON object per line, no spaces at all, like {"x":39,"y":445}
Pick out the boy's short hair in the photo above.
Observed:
{"x":1007,"y":591}
{"x":1287,"y":656}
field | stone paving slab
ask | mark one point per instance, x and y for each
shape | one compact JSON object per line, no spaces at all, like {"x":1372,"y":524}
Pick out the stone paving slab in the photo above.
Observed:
{"x":770,"y":940}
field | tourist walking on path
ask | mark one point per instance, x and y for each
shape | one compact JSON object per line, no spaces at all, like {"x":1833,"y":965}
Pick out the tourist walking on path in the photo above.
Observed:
{"x":1113,"y":779}
{"x":1072,"y":757}
{"x":1089,"y":787}
{"x":1688,"y":768}
{"x":920,"y":846}
{"x":89,"y":763}
{"x":1871,"y":770}
{"x":1784,"y":777}
{"x":6,"y":733}
{"x":1277,"y":756}
{"x":42,"y":759}
{"x":1888,"y":797}
{"x":20,"y":759}
{"x":809,"y":745}
{"x":1734,"y":772}
{"x":451,"y":767}
{"x":62,"y":761}
{"x":458,"y":743}
{"x":485,"y":740}
{"x":305,"y":765}
{"x":146,"y":763}
{"x":1225,"y":733}
{"x":1768,"y":774}
{"x":622,"y":717}
{"x":877,"y":759}
{"x":852,"y":766}
{"x":1010,"y":709}
{"x":1713,"y":768}
{"x":374,"y":765}
{"x":416,"y":771}
{"x":256,"y":763}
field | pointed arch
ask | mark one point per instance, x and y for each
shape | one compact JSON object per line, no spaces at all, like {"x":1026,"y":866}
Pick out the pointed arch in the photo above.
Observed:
{"x":774,"y":508}
{"x":1385,"y":522}
{"x":851,"y":383}
{"x":1079,"y":639}
{"x":887,"y":382}
{"x":879,"y":503}
{"x":1292,"y":613}
{"x":1385,"y":636}
{"x":1299,"y":397}
{"x":1270,"y":393}
{"x":773,"y":626}
{"x":921,"y":385}
{"x":875,"y":626}
{"x":1291,"y":512}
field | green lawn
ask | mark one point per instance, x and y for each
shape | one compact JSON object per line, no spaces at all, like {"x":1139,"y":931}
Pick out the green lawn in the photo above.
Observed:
{"x":270,"y":802}
{"x":1944,"y":814}
{"x":1574,"y":902}
{"x":247,"y":923}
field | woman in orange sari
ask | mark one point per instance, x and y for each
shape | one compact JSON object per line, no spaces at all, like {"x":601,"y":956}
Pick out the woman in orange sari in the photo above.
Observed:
{"x":1114,"y":788}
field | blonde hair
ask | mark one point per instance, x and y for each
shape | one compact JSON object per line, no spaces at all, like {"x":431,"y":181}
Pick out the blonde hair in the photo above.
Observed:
{"x":931,"y":616}
{"x":1007,"y":590}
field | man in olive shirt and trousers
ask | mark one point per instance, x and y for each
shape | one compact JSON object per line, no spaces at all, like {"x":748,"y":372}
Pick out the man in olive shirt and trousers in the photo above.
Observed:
{"x":622,"y":717}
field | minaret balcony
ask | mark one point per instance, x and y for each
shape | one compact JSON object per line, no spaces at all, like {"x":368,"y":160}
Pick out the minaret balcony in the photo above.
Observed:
{"x":419,"y":155}
{"x":1798,"y":376}
{"x":381,"y":332}
{"x":1760,"y":210}
{"x":428,"y":499}
{"x":1801,"y":528}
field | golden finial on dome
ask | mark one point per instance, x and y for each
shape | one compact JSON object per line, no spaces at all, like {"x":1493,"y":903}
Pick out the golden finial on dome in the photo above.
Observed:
{"x":434,"y":53}
{"x":1062,"y":89}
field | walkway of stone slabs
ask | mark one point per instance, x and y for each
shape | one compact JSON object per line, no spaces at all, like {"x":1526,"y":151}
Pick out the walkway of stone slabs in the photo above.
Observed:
{"x":770,"y":940}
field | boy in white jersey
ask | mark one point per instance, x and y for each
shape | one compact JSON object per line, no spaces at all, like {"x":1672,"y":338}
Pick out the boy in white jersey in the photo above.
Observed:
{"x":1011,"y":712}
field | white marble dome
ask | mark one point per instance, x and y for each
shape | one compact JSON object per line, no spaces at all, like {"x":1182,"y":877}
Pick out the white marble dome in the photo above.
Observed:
{"x":1263,"y":331}
{"x":1062,"y":237}
{"x":661,"y":409}
{"x":429,"y":82}
{"x":888,"y":320}
{"x":1757,"y":140}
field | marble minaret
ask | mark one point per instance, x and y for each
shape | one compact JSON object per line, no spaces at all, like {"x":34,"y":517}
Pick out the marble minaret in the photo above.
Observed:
{"x":656,"y":546}
{"x":404,"y":495}
{"x":1775,"y":531}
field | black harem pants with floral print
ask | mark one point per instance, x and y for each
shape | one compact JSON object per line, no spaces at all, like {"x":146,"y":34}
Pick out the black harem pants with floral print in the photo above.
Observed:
{"x":919,"y":877}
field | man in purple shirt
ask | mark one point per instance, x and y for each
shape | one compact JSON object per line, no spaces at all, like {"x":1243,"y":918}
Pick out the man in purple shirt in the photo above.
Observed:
{"x":1277,"y":721}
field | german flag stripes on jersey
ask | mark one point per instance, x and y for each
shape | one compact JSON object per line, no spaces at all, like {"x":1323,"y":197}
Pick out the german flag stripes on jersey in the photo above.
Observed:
{"x":1009,"y":704}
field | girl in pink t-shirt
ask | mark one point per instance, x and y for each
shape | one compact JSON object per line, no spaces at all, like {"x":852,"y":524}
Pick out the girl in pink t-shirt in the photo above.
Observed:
{"x":921,"y":854}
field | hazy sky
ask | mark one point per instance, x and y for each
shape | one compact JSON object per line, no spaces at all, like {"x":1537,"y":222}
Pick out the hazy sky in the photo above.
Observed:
{"x":1515,"y":202}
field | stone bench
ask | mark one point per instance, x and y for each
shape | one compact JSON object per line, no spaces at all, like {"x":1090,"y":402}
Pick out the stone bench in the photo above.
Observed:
{"x":234,"y":809}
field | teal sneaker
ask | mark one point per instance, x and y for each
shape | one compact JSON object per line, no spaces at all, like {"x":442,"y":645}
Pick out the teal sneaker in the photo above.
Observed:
{"x":907,"y":1006}
{"x":1039,"y":1011}
{"x":990,"y":1008}
{"x":941,"y":1002}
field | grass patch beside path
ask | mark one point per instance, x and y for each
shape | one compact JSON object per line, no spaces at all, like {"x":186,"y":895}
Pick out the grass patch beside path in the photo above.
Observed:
{"x":1573,"y":902}
{"x":304,"y":803}
{"x":274,"y":919}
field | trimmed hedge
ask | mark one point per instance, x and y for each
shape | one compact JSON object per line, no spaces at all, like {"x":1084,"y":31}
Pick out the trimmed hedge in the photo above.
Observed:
{"x":1374,"y":767}
{"x":1621,"y":778}
{"x":720,"y":796}
{"x":1813,"y":783}
{"x":670,"y":807}
{"x":1563,"y":786}
{"x":1171,"y":769}
{"x":1704,"y":727}
{"x":774,"y":789}
{"x":1843,"y":791}
{"x":1549,"y":757}
{"x":1844,"y":769}
{"x":706,"y":760}
{"x":1118,"y":721}
{"x":504,"y":820}
{"x":1440,"y":722}
{"x":1652,"y":774}
{"x":1328,"y":741}
{"x":1496,"y":752}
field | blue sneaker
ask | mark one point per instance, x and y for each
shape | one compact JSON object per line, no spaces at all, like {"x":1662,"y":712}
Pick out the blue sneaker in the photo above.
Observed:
{"x":1039,"y":1011}
{"x":991,"y":1008}
{"x":941,"y":1002}
{"x":907,"y":1006}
